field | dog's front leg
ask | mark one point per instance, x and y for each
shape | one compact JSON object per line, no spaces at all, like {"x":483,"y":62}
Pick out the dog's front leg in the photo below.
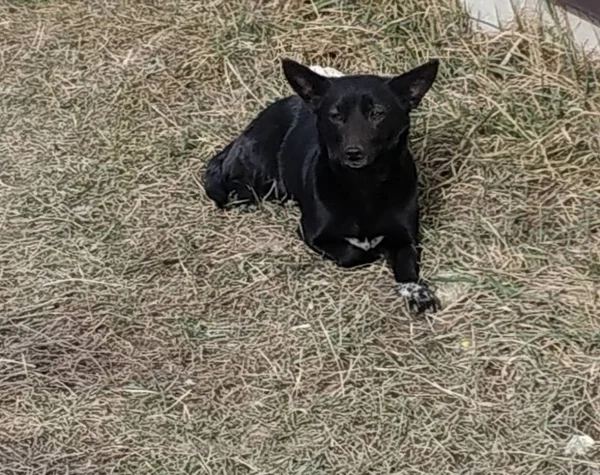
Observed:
{"x":404,"y":261}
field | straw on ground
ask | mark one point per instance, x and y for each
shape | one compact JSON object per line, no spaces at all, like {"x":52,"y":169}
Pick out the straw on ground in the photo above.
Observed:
{"x":144,"y":331}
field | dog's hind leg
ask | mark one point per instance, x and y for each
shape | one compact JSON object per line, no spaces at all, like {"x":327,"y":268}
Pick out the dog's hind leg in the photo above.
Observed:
{"x":216,"y":182}
{"x":247,"y":170}
{"x":237,"y":174}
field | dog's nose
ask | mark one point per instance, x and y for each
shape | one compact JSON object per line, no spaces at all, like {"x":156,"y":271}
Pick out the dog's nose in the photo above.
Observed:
{"x":354,"y":153}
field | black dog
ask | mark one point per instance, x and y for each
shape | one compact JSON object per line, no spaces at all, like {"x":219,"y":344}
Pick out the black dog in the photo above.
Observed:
{"x":340,"y":149}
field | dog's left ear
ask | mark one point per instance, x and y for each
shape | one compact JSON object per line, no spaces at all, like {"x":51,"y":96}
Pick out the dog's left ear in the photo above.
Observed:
{"x":414,"y":84}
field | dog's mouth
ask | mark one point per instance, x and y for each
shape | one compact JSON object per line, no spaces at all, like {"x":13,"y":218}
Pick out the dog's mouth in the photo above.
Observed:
{"x":356,"y":164}
{"x":351,"y":162}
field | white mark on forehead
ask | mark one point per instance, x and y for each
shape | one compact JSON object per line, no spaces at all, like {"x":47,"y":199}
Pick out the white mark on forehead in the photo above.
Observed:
{"x":365,"y":244}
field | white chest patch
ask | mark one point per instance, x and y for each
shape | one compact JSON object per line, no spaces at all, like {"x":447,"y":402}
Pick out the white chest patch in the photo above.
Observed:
{"x":365,"y":244}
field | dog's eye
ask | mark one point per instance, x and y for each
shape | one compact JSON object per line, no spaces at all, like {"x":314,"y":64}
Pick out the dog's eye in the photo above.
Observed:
{"x":335,"y":116}
{"x":377,"y":113}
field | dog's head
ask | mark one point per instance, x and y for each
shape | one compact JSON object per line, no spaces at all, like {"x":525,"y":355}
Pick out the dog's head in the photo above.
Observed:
{"x":361,"y":117}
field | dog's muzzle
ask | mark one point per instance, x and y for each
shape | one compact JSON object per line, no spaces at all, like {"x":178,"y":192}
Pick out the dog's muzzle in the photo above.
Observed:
{"x":354,"y":157}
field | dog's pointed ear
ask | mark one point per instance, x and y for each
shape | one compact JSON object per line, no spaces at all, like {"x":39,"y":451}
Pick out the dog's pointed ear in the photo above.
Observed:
{"x":309,"y":85}
{"x":414,"y":84}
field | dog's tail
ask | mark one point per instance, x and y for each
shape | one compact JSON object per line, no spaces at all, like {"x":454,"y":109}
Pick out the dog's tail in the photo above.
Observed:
{"x":215,"y":179}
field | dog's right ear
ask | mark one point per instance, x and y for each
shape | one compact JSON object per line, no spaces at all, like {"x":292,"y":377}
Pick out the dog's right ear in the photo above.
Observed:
{"x":414,"y":84}
{"x":309,"y":85}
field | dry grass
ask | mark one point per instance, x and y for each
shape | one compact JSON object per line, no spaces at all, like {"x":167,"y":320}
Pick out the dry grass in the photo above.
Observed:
{"x":143,"y":331}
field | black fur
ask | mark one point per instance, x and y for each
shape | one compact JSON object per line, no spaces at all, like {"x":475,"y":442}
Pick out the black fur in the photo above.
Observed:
{"x":340,"y":149}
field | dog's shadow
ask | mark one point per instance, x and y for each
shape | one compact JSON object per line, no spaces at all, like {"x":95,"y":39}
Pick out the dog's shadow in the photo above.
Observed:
{"x":439,"y":161}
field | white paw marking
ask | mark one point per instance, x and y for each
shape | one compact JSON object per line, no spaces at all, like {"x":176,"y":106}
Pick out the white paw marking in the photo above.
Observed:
{"x":409,"y":289}
{"x":365,"y":244}
{"x":419,"y":296}
{"x":327,"y":72}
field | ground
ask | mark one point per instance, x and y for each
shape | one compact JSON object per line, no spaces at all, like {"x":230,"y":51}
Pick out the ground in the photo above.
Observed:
{"x":145,"y":331}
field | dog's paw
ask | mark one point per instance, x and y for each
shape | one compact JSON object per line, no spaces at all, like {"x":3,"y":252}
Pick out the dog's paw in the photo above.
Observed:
{"x":420,"y":297}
